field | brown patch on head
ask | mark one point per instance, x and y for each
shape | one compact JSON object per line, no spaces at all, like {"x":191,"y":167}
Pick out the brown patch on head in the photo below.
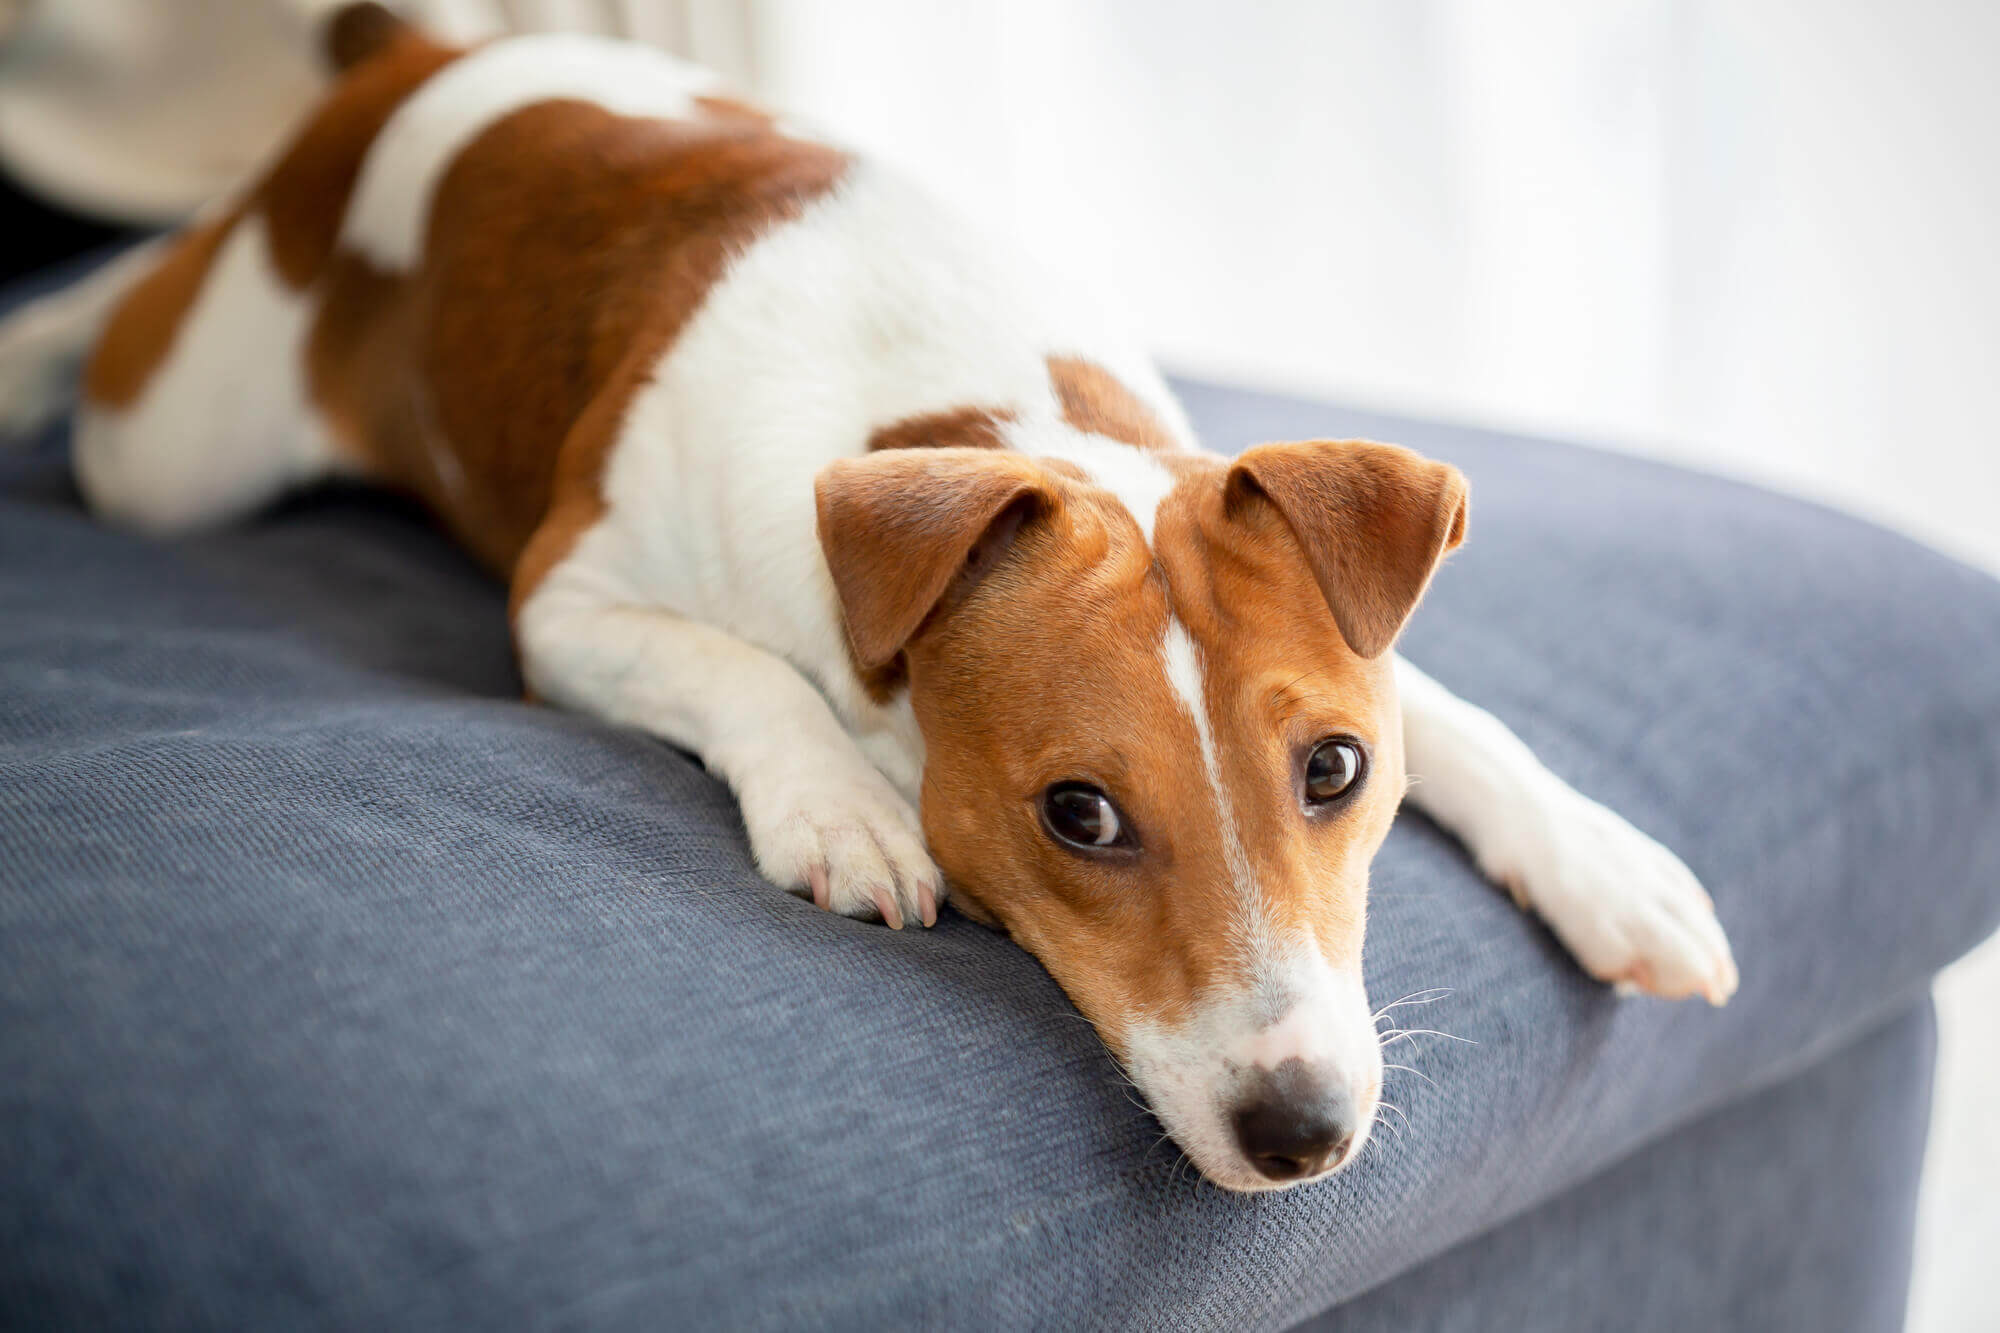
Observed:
{"x":1094,"y":401}
{"x":1051,"y":672}
{"x":1055,"y":667}
{"x":1279,"y":678}
{"x":958,"y":428}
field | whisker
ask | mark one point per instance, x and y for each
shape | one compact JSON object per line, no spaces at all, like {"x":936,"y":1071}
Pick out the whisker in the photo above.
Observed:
{"x":1429,"y":995}
{"x":1418,"y":1072}
{"x":1397,"y":1034}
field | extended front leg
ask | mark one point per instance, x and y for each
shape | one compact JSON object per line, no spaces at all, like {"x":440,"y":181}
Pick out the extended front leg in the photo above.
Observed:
{"x":1624,"y":905}
{"x":821,"y":818}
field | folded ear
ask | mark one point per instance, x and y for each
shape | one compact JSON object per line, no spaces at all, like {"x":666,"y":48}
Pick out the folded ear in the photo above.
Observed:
{"x":1373,"y":520}
{"x":902,"y":528}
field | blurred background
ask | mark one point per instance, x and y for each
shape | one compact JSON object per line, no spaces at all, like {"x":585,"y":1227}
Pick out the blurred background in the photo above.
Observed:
{"x":1750,"y":236}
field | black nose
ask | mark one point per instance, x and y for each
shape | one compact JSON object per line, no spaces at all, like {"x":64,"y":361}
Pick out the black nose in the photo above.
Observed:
{"x":1291,"y":1125}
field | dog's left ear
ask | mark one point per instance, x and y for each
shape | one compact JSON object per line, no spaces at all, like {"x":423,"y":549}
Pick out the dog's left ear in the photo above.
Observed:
{"x":1372,"y":519}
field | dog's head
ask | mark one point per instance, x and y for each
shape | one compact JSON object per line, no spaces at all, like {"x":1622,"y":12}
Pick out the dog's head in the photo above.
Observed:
{"x":1163,"y":744}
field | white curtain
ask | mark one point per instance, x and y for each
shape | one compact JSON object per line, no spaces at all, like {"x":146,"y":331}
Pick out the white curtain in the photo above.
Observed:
{"x":1750,"y":234}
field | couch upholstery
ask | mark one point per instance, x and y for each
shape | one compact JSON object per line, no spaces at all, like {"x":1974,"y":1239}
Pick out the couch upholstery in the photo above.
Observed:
{"x":338,"y":986}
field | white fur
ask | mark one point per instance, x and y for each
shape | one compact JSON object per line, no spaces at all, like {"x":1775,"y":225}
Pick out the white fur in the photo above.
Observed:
{"x":812,"y":802}
{"x":1193,"y":1072}
{"x":1251,"y":927}
{"x":1133,"y":477}
{"x":224,"y":422}
{"x":1627,"y":907}
{"x":390,"y":211}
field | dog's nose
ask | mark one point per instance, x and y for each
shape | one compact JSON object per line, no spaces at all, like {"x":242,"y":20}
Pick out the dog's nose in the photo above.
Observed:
{"x":1292,"y":1126}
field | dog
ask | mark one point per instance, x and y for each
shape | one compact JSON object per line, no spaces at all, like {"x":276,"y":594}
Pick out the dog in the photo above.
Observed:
{"x":786,"y":466}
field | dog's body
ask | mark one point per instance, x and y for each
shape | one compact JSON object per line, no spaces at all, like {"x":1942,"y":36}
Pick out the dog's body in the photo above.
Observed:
{"x":785,"y":467}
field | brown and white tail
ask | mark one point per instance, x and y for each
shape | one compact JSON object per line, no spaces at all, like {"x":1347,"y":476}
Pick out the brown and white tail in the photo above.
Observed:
{"x":43,"y":343}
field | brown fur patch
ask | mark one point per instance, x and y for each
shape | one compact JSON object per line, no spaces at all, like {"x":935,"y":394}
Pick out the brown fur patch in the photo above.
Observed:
{"x":1373,"y":520}
{"x":142,"y":329}
{"x":1093,"y":400}
{"x":578,"y":502}
{"x":302,"y":198}
{"x":899,"y":528}
{"x":1052,"y":670}
{"x":959,"y":428}
{"x":568,"y":247}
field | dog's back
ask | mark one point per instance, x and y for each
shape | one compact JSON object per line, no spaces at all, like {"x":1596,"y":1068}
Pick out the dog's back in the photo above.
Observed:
{"x":453,"y":257}
{"x":465,"y":265}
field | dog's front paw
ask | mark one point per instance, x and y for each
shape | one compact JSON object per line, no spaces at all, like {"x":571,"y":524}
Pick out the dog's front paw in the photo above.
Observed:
{"x":1626,"y":907}
{"x":847,"y":838}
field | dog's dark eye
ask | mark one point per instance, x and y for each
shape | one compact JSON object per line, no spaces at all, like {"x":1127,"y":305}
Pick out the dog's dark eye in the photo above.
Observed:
{"x":1080,"y":814}
{"x":1332,"y":770}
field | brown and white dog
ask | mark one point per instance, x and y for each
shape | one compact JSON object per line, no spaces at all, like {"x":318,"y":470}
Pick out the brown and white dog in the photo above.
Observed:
{"x":787,"y":467}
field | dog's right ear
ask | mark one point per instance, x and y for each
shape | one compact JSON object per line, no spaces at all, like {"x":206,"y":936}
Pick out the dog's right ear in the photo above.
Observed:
{"x":1372,"y":520}
{"x":902,"y":527}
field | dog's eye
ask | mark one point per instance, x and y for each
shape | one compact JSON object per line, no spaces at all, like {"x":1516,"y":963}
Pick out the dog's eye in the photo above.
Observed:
{"x":1080,"y":814}
{"x":1332,"y":770}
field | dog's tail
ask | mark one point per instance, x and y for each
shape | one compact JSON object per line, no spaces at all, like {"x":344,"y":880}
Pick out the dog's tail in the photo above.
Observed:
{"x":44,"y":341}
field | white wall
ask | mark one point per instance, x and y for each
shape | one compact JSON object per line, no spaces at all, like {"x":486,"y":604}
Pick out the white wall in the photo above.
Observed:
{"x":1748,"y":233}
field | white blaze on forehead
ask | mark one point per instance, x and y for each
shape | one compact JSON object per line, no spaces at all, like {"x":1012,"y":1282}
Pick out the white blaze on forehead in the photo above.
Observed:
{"x":1183,"y":666}
{"x":1132,"y":475}
{"x":391,"y":208}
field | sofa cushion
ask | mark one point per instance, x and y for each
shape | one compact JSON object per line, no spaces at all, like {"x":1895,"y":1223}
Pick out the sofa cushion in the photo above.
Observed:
{"x":338,"y":984}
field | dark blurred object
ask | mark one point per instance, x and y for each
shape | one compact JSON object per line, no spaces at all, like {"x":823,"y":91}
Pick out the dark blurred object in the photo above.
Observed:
{"x":39,"y":234}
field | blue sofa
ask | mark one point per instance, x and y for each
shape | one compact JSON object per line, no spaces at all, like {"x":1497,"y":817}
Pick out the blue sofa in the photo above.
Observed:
{"x":339,"y":988}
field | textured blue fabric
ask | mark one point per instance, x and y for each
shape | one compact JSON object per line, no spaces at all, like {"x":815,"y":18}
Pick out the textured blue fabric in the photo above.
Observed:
{"x":1792,"y":1209}
{"x":339,"y":986}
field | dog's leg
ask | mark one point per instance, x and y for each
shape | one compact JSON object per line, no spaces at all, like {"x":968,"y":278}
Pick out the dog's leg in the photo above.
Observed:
{"x":821,"y":818}
{"x":1623,"y":904}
